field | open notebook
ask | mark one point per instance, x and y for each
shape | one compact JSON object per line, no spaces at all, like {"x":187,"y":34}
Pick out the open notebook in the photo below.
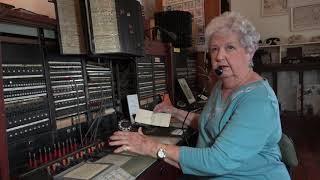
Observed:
{"x":151,"y":118}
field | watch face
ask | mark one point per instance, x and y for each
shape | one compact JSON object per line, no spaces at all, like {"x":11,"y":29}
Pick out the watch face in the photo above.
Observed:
{"x":161,"y":153}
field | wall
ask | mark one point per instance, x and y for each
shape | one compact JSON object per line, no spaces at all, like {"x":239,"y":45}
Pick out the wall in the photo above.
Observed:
{"x":37,"y":6}
{"x":274,"y":26}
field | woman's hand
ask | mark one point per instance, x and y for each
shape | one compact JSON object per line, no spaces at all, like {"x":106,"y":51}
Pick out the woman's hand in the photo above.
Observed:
{"x":135,"y":142}
{"x":165,"y":107}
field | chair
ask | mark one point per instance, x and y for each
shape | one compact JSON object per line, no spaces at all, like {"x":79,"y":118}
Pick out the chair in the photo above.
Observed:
{"x":289,"y":155}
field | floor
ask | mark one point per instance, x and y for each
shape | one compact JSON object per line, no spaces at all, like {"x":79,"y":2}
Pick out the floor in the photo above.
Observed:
{"x":305,"y":134}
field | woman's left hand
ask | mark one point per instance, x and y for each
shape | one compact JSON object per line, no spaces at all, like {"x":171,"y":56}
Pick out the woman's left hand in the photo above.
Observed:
{"x":135,"y":142}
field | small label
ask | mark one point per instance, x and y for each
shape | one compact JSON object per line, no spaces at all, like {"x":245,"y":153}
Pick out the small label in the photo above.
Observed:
{"x":157,"y":59}
{"x":177,"y":50}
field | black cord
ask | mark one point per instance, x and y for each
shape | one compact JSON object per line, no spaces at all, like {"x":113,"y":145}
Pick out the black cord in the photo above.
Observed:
{"x":97,"y":119}
{"x":183,"y":134}
{"x":100,"y":114}
{"x":78,"y":108}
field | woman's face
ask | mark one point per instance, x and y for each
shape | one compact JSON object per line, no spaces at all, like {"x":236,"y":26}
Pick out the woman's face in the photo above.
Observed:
{"x":227,"y":52}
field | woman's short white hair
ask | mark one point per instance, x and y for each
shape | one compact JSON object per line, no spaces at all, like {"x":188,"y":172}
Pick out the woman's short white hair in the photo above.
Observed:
{"x":234,"y":22}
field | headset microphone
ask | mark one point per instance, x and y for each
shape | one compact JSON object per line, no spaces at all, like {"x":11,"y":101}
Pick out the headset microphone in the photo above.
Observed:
{"x":219,"y":71}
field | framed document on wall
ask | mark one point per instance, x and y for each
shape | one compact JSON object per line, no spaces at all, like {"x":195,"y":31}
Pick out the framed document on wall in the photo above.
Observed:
{"x":305,"y":17}
{"x":298,"y":3}
{"x":273,"y":7}
{"x":115,"y":27}
{"x":70,"y":25}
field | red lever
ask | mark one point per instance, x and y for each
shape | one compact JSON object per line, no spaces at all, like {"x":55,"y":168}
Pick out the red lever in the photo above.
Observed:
{"x":50,"y":154}
{"x":59,"y":150}
{"x":63,"y":149}
{"x":35,"y":164}
{"x":40,"y":157}
{"x":45,"y":155}
{"x":30,"y":160}
{"x":55,"y":153}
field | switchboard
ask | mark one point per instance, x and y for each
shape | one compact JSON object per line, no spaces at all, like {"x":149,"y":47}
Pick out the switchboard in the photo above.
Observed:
{"x":67,"y":83}
{"x":99,"y":85}
{"x":25,"y":98}
{"x":145,"y":77}
{"x":24,"y":91}
{"x":192,"y":72}
{"x":152,"y":79}
{"x":185,"y":67}
{"x":160,"y":74}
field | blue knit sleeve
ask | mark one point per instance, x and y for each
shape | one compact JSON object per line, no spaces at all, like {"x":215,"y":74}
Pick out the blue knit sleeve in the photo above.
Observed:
{"x":245,"y":135}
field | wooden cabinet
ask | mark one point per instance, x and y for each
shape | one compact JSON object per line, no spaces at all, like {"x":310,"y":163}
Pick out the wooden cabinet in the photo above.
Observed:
{"x":294,"y":53}
{"x":161,"y":170}
{"x":293,"y":70}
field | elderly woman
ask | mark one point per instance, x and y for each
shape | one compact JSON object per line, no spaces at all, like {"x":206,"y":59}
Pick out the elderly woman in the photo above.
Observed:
{"x":239,"y":128}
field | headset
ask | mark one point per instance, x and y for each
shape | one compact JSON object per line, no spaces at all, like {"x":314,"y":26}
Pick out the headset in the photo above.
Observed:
{"x":219,"y":71}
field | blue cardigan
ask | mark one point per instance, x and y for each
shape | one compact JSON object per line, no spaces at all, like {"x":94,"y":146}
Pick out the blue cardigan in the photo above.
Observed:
{"x":238,"y":137}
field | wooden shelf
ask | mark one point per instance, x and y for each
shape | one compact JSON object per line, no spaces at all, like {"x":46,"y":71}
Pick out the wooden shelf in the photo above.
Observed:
{"x":287,"y":67}
{"x":292,"y":44}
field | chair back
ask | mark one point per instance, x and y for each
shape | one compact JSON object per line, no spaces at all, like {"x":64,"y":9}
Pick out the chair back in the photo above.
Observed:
{"x":288,"y":152}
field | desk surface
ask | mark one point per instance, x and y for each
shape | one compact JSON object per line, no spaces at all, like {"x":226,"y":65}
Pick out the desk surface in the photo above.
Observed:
{"x":131,"y":163}
{"x":136,"y":164}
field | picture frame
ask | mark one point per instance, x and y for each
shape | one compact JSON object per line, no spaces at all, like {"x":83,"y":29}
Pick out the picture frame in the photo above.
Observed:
{"x":298,"y":3}
{"x":305,"y":17}
{"x":70,"y":27}
{"x":273,"y":8}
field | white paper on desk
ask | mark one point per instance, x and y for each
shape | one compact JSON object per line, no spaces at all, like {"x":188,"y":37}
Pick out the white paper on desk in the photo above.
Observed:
{"x":86,"y":171}
{"x":156,"y":119}
{"x":133,"y":103}
{"x":116,"y":159}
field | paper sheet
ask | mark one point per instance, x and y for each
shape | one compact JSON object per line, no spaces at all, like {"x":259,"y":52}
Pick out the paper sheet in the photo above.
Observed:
{"x":156,"y":119}
{"x":86,"y":171}
{"x":133,"y":103}
{"x":116,"y":159}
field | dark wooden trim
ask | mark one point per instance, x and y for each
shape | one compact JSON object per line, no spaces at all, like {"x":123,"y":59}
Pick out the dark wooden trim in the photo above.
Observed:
{"x":211,"y":10}
{"x":301,"y":82}
{"x":4,"y":162}
{"x":170,"y":75}
{"x":156,"y":48}
{"x":287,"y":67}
{"x":275,"y":82}
{"x":158,"y":6}
{"x":14,"y":16}
{"x":18,"y":40}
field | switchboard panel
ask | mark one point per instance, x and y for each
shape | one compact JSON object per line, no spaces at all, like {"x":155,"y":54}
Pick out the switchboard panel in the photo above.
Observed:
{"x":152,"y":79}
{"x":192,"y":72}
{"x":160,"y":74}
{"x":25,"y":99}
{"x":67,"y":83}
{"x":145,"y":77}
{"x":99,"y":86}
{"x":24,"y":90}
{"x":185,"y":67}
